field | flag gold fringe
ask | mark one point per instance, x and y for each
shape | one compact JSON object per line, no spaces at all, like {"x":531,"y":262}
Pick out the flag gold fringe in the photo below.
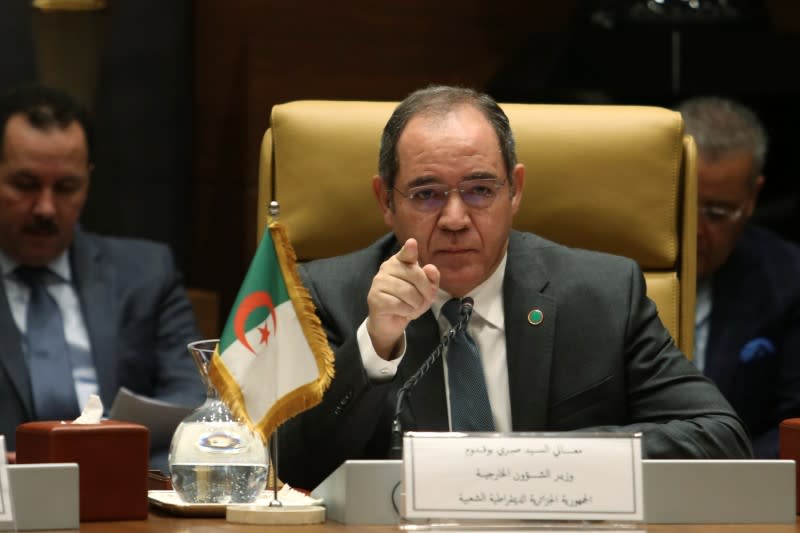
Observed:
{"x":310,"y":394}
{"x":228,"y":390}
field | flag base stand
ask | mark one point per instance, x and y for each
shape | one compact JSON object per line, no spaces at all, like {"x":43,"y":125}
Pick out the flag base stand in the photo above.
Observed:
{"x":289,"y":515}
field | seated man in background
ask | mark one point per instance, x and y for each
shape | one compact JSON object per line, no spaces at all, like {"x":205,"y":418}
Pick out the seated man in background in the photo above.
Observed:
{"x":561,"y":339}
{"x":79,"y":313}
{"x":748,"y":279}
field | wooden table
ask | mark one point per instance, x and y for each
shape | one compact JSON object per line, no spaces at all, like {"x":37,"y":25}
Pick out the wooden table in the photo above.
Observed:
{"x":163,"y":523}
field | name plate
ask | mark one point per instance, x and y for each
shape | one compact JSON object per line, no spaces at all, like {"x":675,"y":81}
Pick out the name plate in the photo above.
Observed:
{"x":521,"y":476}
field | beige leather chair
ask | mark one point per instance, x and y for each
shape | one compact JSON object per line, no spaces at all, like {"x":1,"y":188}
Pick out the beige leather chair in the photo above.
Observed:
{"x":619,"y":179}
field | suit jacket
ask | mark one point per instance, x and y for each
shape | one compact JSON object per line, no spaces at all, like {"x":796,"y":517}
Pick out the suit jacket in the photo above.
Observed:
{"x":600,"y":359}
{"x":753,"y":349}
{"x":138,"y":319}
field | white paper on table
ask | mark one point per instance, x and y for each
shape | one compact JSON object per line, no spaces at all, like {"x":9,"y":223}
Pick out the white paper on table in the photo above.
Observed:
{"x":160,"y":417}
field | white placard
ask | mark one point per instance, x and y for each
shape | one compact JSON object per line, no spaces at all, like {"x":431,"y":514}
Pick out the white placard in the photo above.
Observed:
{"x":563,"y":476}
{"x":6,"y":509}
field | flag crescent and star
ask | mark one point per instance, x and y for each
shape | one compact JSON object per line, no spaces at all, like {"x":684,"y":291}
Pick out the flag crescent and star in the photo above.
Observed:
{"x":251,"y":302}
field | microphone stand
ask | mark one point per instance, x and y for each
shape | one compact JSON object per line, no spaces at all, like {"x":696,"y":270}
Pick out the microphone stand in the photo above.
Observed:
{"x":396,"y":446}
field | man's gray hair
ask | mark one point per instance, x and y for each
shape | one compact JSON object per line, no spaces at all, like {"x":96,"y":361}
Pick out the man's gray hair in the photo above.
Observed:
{"x":722,"y":127}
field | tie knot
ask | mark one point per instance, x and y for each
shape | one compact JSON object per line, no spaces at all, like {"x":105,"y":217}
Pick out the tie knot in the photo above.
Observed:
{"x":32,"y":276}
{"x":451,"y":310}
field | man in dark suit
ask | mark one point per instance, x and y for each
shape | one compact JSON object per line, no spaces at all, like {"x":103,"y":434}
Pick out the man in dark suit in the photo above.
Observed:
{"x":122,"y":316}
{"x":567,"y":338}
{"x":748,"y":289}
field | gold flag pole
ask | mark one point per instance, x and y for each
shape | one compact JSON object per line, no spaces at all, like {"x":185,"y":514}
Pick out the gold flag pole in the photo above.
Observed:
{"x":272,"y":447}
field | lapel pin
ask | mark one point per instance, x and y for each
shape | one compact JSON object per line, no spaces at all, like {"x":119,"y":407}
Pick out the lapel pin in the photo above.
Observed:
{"x":535,"y":317}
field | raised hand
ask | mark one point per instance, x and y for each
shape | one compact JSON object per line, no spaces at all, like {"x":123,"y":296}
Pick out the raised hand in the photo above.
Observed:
{"x":401,"y":291}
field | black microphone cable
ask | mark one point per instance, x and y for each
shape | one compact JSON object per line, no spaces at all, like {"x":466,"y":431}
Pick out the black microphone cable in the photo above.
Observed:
{"x":465,"y":312}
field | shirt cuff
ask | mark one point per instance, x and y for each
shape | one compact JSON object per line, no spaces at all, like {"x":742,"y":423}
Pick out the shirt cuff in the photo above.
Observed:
{"x":378,"y":369}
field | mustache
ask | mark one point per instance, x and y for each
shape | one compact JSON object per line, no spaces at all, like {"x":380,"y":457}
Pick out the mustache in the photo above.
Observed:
{"x":41,"y":226}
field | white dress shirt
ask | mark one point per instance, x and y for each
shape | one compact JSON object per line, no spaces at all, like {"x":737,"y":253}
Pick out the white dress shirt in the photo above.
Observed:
{"x":63,"y":292}
{"x":487,"y":329}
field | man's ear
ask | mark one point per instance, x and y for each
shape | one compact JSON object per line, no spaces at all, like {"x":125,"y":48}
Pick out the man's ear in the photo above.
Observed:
{"x":758,"y":184}
{"x":384,"y":200}
{"x":519,"y":184}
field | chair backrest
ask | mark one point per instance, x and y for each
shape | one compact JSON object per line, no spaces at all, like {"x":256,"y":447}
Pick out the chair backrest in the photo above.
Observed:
{"x":620,"y":179}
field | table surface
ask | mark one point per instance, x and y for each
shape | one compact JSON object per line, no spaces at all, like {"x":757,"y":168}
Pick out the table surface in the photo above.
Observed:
{"x":159,"y":522}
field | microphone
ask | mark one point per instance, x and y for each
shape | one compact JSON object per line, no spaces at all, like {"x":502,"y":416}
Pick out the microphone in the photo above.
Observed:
{"x":465,"y":312}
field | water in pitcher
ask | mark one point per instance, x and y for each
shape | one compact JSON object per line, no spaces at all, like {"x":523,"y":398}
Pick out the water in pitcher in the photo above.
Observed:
{"x":214,"y":457}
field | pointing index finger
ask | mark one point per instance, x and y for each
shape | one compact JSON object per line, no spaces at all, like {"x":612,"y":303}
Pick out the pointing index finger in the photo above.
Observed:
{"x":409,"y":253}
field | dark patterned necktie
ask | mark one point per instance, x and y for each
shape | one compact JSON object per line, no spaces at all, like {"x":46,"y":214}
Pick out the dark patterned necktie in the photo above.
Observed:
{"x":469,"y":402}
{"x":47,"y":354}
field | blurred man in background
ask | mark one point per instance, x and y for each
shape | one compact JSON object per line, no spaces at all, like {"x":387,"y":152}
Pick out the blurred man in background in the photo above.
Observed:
{"x":80,"y":314}
{"x":747,"y":335}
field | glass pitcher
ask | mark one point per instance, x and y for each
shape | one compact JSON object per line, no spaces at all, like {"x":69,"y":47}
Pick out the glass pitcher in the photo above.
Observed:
{"x":214,"y":457}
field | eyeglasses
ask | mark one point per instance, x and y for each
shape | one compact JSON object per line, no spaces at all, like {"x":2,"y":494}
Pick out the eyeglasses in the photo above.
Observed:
{"x":477,"y":193}
{"x":719,"y":213}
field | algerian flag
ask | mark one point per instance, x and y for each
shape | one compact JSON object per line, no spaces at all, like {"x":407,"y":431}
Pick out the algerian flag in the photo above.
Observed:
{"x":273,"y":360}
